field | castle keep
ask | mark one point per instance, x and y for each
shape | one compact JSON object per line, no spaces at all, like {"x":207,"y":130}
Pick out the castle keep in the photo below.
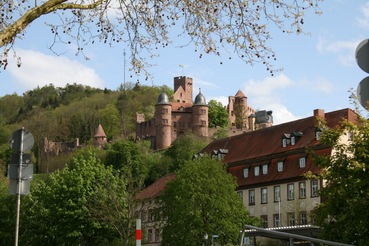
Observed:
{"x":174,"y":118}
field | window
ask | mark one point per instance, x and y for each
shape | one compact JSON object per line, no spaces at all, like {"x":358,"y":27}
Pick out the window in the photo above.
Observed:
{"x":302,"y":162}
{"x":265,"y":169}
{"x":280,"y":166}
{"x":143,"y":216}
{"x":302,"y":190}
{"x":149,"y":236}
{"x":303,"y":218}
{"x":277,"y":193}
{"x":264,"y":221}
{"x":264,"y":195}
{"x":222,"y":153}
{"x":256,"y":170}
{"x":290,"y":192}
{"x":151,"y":215}
{"x":293,"y":140}
{"x":203,"y":123}
{"x":157,"y":235}
{"x":174,"y":124}
{"x":251,"y":197}
{"x":276,"y":220}
{"x":318,"y":134}
{"x":284,"y":142}
{"x":291,"y":219}
{"x":314,"y":188}
{"x":245,"y":172}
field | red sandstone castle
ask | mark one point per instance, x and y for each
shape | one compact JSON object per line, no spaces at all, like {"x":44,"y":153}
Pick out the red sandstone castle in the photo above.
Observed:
{"x":173,"y":118}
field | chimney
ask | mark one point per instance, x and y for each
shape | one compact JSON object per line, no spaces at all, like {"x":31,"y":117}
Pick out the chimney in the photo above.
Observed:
{"x":319,"y":113}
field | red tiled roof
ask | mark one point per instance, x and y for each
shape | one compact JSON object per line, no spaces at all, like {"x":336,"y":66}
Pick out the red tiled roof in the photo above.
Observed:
{"x":177,"y":105}
{"x":240,"y":94}
{"x":268,"y":141}
{"x":264,"y":146}
{"x":156,"y":188}
{"x":100,"y":132}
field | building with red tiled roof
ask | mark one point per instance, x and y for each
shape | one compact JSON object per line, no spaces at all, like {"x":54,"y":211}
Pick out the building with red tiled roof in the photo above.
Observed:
{"x":151,"y":225}
{"x":269,"y":165}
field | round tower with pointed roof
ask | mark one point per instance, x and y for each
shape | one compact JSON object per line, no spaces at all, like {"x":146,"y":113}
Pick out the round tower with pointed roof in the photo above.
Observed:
{"x":200,"y":116}
{"x":100,"y":137}
{"x":163,"y":122}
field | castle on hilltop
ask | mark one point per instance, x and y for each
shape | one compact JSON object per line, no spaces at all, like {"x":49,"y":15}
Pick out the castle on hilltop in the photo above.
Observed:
{"x":182,"y":114}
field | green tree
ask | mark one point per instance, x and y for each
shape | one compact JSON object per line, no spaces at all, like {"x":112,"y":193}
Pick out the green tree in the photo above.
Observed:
{"x":241,"y":26}
{"x":218,"y":115}
{"x":341,"y":215}
{"x":59,"y":208}
{"x":110,"y":120}
{"x":183,"y":149}
{"x":202,"y":200}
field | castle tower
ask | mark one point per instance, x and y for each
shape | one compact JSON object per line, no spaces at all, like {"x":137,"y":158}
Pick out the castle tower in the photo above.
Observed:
{"x":182,"y":89}
{"x":200,"y":116}
{"x":239,"y":111}
{"x":163,"y":122}
{"x":100,"y":137}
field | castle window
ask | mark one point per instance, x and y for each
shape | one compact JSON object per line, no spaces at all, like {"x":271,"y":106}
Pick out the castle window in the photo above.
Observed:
{"x":203,"y":123}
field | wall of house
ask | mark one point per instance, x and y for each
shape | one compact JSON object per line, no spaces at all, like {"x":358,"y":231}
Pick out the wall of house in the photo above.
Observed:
{"x":298,"y":208}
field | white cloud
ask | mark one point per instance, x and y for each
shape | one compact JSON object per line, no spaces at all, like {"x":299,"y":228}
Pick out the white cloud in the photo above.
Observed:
{"x":38,"y":69}
{"x":268,"y":94}
{"x":344,"y":50}
{"x":222,"y":99}
{"x":364,"y":20}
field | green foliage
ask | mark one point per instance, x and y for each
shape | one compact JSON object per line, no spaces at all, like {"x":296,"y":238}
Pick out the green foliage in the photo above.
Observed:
{"x":183,"y":149}
{"x":218,"y":115}
{"x":9,"y":107}
{"x":221,"y":133}
{"x":341,"y":215}
{"x":59,"y":209}
{"x":109,"y":118}
{"x":202,"y":200}
{"x":8,"y":214}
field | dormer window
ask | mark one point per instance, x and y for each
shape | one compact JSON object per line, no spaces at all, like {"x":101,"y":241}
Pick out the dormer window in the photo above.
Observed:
{"x":256,"y":170}
{"x":318,"y":133}
{"x":265,"y":169}
{"x":280,"y":166}
{"x":302,"y":162}
{"x":286,"y":139}
{"x":222,"y":153}
{"x":295,"y":136}
{"x":245,"y":172}
{"x":214,"y":154}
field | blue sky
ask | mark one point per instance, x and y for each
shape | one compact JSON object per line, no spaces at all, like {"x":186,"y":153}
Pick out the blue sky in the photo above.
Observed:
{"x":318,"y":69}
